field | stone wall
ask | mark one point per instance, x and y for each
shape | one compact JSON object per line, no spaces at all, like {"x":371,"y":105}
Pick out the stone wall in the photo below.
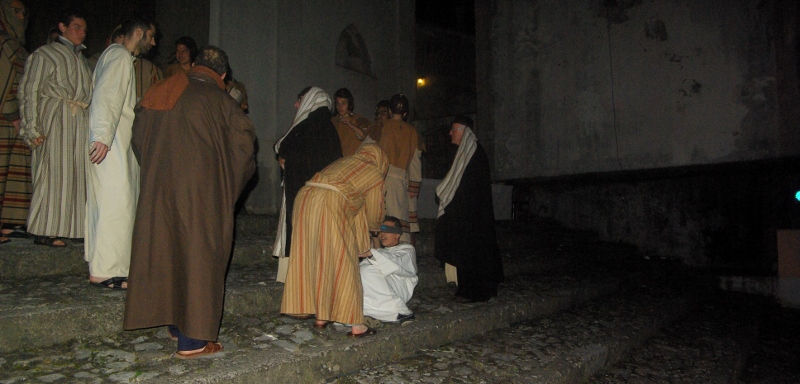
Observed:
{"x":722,"y":217}
{"x":671,"y":125}
{"x":579,"y":87}
{"x":278,"y":48}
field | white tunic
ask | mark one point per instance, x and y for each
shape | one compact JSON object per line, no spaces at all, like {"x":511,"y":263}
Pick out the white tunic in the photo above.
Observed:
{"x":113,"y":185}
{"x":389,"y":279}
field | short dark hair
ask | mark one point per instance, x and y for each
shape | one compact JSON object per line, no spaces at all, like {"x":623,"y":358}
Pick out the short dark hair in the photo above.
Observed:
{"x":213,"y":58}
{"x":303,"y":92}
{"x":131,"y":25}
{"x":344,"y":93}
{"x":190,"y":44}
{"x":383,"y":103}
{"x":395,"y":221}
{"x":117,"y":33}
{"x":398,"y":104}
{"x":68,"y":15}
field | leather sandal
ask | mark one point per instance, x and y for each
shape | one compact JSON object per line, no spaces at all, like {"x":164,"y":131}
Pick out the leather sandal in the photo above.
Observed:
{"x":112,"y":283}
{"x":210,"y":349}
{"x":50,"y":241}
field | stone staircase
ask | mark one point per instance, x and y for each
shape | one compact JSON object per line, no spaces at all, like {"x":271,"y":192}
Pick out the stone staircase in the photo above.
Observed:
{"x":57,"y":328}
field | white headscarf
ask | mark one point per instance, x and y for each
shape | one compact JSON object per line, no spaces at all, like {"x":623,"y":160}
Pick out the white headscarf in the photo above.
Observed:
{"x":447,"y":188}
{"x":312,"y":100}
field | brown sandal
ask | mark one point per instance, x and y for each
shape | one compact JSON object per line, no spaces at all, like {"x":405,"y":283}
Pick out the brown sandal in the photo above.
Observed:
{"x":210,"y":349}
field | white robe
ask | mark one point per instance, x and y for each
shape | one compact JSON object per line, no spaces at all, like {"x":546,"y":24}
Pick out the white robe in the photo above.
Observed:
{"x":389,"y":278}
{"x":113,"y":185}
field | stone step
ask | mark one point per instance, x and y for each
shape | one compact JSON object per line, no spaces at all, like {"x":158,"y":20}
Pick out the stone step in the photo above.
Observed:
{"x":567,"y":347}
{"x":280,"y":349}
{"x":710,"y":345}
{"x":21,"y":259}
{"x":49,"y":310}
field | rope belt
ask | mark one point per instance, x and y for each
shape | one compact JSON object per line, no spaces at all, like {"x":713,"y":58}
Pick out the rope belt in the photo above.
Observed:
{"x":74,"y":103}
{"x":325,"y":186}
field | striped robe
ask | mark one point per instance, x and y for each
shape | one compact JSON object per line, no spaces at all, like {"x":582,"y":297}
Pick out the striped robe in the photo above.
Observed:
{"x":332,"y":220}
{"x":15,"y":157}
{"x":55,"y":78}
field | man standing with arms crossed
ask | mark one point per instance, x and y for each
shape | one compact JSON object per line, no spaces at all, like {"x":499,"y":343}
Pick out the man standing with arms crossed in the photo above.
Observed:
{"x":112,"y":176}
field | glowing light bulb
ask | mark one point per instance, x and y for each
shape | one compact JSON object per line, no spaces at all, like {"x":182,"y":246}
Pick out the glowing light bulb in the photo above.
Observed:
{"x":421,"y":82}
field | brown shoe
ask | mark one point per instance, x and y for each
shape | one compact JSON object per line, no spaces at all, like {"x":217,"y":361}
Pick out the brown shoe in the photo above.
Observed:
{"x":210,"y":349}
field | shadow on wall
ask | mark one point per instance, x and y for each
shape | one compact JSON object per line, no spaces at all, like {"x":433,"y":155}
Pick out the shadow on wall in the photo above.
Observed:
{"x":720,"y":217}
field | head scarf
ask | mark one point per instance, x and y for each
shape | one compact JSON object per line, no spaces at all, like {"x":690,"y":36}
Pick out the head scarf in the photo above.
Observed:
{"x":447,"y":188}
{"x":314,"y":99}
{"x":372,"y":154}
{"x":9,"y":22}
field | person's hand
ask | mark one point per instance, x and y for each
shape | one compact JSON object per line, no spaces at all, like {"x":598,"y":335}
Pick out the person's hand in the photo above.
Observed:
{"x":39,"y":140}
{"x":98,"y":152}
{"x":281,"y":161}
{"x":366,"y":254}
{"x":15,"y":123}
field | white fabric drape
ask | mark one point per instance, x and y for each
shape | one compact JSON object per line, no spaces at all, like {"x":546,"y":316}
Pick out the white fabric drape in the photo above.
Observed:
{"x":388,"y":280}
{"x":447,"y":188}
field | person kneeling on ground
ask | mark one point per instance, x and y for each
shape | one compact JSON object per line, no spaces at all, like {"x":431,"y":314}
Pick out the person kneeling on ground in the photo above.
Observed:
{"x":389,"y":275}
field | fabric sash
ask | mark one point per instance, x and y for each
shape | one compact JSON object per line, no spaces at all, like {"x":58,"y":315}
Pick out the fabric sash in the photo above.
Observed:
{"x":447,"y":188}
{"x":325,"y":186}
{"x":74,"y":103}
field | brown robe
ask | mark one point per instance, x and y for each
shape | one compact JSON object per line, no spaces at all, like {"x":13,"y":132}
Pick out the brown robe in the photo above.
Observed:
{"x":347,"y":136}
{"x":195,"y":160}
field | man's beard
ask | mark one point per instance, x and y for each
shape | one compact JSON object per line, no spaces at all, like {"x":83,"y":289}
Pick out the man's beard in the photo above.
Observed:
{"x":144,"y":46}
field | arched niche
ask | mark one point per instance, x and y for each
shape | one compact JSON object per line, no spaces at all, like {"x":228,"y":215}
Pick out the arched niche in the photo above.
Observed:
{"x":352,"y":53}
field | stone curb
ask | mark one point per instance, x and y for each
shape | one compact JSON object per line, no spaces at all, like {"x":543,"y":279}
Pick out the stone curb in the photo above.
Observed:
{"x":21,"y":259}
{"x":25,"y":260}
{"x":74,"y":309}
{"x":258,"y":366}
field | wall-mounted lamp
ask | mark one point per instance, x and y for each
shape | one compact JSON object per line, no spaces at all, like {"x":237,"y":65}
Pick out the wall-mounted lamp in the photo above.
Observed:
{"x":421,"y":82}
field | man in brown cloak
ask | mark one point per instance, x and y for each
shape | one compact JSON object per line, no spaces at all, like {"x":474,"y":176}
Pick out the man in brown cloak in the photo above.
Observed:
{"x":195,"y":147}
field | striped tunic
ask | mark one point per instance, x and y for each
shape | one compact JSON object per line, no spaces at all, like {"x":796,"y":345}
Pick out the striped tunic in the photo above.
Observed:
{"x":15,"y":157}
{"x":332,"y":217}
{"x":54,"y":94}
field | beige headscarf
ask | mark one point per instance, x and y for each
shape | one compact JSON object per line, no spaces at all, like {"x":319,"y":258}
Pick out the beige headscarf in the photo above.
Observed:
{"x":9,"y":22}
{"x":447,"y":188}
{"x":314,"y":99}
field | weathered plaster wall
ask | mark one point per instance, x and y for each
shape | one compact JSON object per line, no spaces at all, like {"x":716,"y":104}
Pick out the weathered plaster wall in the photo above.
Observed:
{"x":582,"y":87}
{"x":671,"y":125}
{"x":276,"y":48}
{"x":178,"y":18}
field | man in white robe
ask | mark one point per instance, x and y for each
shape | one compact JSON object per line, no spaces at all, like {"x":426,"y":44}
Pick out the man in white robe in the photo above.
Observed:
{"x":112,"y":176}
{"x":389,"y":275}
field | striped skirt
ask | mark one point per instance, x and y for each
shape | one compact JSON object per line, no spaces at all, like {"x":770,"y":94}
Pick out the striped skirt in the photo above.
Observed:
{"x":323,"y":276}
{"x":15,"y":176}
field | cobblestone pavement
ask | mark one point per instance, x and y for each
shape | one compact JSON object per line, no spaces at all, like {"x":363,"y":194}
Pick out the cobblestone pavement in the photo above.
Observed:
{"x":709,"y":345}
{"x":147,"y":354}
{"x":528,"y":352}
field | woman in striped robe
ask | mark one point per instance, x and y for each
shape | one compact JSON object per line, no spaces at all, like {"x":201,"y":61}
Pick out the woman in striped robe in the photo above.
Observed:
{"x":333,"y":215}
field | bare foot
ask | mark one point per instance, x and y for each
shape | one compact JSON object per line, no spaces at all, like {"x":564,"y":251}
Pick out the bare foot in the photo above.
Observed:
{"x":359,"y":329}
